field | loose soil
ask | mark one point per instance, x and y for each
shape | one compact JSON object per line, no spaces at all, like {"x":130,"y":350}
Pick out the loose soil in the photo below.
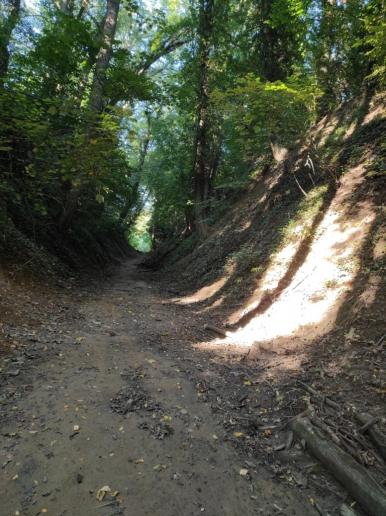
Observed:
{"x":105,"y":409}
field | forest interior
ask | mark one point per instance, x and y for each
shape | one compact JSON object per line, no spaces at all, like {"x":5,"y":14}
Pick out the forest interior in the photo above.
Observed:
{"x":192,"y":257}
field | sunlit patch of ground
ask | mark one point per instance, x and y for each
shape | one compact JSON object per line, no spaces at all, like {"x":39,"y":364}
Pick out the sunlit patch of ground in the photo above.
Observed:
{"x":208,"y":291}
{"x":307,"y":308}
{"x":203,"y":293}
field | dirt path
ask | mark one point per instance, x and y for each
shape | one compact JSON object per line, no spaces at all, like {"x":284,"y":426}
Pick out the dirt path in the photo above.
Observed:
{"x":108,"y":409}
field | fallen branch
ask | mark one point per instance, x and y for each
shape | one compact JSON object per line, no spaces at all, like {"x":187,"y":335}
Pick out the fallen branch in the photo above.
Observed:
{"x":318,"y":508}
{"x":323,"y":426}
{"x":345,"y":469}
{"x":220,"y":331}
{"x":380,"y":341}
{"x":369,"y":426}
{"x":317,"y":394}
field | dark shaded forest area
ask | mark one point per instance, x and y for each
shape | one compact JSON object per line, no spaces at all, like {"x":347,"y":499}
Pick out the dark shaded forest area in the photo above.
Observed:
{"x":122,"y":113}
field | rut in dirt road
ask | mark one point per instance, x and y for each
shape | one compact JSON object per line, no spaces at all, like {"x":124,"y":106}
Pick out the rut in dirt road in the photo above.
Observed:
{"x":112,"y":426}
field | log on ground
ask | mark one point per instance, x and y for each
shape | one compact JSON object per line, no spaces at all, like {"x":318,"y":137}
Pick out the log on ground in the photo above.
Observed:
{"x":354,"y":477}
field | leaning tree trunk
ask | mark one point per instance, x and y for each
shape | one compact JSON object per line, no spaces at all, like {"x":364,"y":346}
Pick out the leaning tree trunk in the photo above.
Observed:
{"x":201,"y":166}
{"x":103,"y":59}
{"x":109,"y":25}
{"x":6,"y":29}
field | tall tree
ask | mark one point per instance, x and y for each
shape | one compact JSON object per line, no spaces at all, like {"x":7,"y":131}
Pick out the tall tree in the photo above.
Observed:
{"x":201,"y":167}
{"x":7,"y":25}
{"x":109,"y":26}
{"x":339,"y":49}
{"x":278,"y":37}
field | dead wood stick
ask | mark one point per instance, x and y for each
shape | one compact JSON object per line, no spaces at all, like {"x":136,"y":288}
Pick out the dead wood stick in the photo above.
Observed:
{"x":319,"y":509}
{"x":317,"y":394}
{"x":215,"y":329}
{"x":354,"y":477}
{"x":380,"y":340}
{"x":378,"y":438}
{"x":323,"y":426}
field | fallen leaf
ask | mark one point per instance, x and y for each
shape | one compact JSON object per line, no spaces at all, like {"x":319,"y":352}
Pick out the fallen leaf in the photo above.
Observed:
{"x":238,"y":434}
{"x":101,"y":493}
{"x":243,"y":472}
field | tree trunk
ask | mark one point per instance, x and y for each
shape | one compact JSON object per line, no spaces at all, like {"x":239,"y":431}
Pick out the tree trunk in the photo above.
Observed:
{"x":201,"y":166}
{"x":109,"y":24}
{"x":103,"y":59}
{"x":268,"y":44}
{"x":5,"y":35}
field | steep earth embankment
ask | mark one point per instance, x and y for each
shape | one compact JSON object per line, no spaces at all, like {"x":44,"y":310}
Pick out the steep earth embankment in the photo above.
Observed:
{"x":302,"y":253}
{"x":294,"y":274}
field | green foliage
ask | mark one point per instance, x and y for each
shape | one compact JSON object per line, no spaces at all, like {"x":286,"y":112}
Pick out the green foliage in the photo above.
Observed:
{"x":139,"y":236}
{"x":375,"y":39}
{"x":345,"y":43}
{"x":256,"y":110}
{"x":71,"y":178}
{"x":167,"y":174}
{"x":65,"y":173}
{"x":125,"y":83}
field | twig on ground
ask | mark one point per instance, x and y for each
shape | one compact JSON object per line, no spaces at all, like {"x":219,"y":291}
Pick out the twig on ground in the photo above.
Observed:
{"x":317,"y":394}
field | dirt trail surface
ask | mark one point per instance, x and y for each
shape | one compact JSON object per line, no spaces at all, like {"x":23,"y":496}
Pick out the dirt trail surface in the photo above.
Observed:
{"x":110,"y":421}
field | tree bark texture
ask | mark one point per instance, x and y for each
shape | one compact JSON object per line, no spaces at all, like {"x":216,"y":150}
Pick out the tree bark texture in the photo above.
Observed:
{"x":109,"y":25}
{"x":201,"y":159}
